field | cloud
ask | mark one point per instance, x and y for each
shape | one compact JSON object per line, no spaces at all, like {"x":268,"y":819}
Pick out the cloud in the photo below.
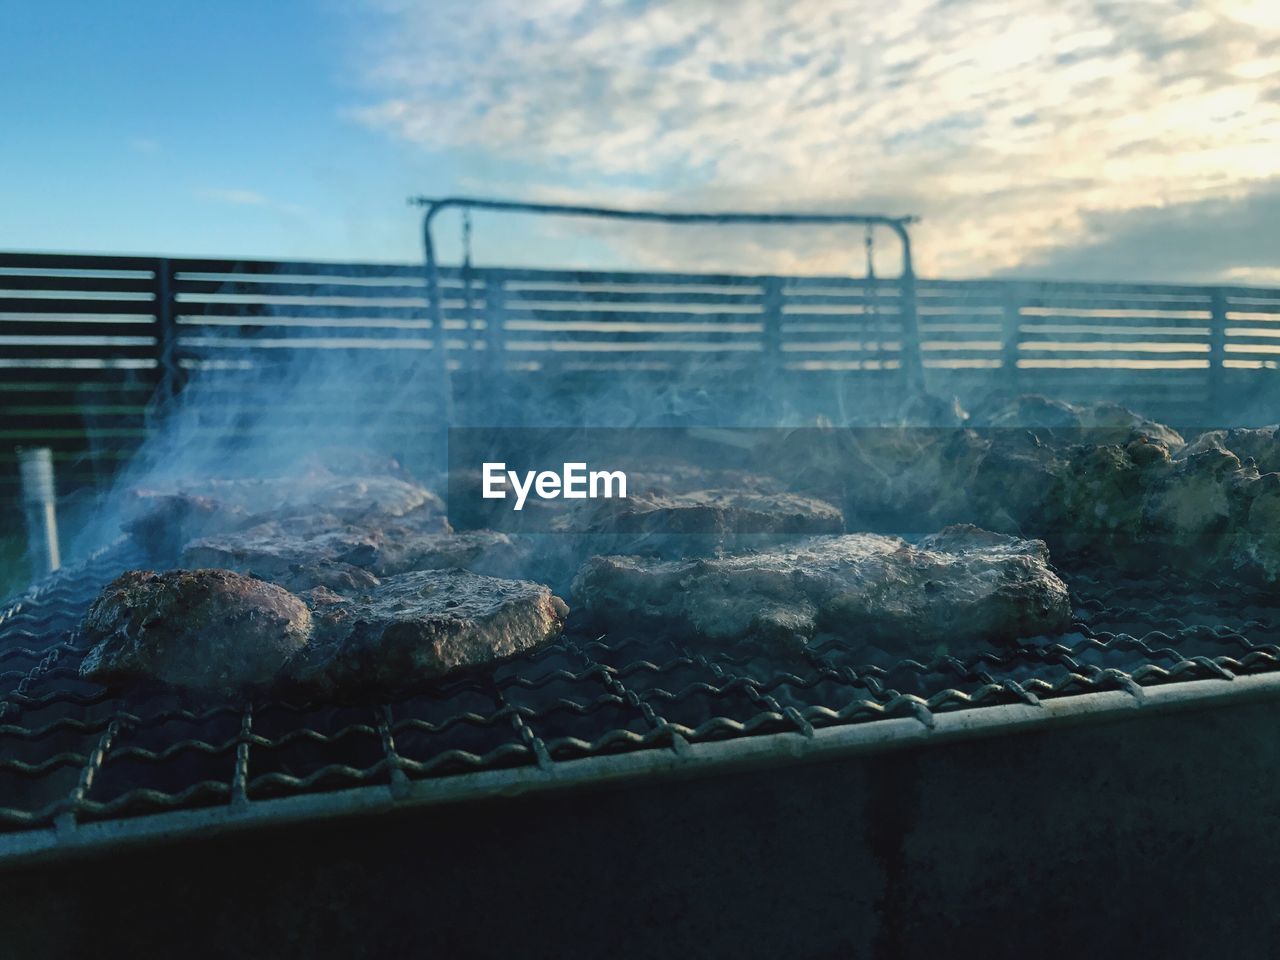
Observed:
{"x":241,"y":198}
{"x":249,"y":198}
{"x":1206,"y":241}
{"x":1016,"y":127}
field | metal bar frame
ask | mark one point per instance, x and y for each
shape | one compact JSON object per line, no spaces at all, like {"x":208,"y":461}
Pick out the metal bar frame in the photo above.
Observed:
{"x":912,"y":364}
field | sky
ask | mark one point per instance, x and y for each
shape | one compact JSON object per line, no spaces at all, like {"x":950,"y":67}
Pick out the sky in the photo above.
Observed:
{"x":1075,"y":139}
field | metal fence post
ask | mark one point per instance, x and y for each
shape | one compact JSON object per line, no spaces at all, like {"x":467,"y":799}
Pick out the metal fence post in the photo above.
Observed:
{"x":39,"y":503}
{"x":1010,"y":335}
{"x":771,"y":335}
{"x":1217,"y":351}
{"x":495,"y":314}
{"x":435,"y":313}
{"x":908,"y":317}
{"x":168,"y":381}
{"x":166,"y":332}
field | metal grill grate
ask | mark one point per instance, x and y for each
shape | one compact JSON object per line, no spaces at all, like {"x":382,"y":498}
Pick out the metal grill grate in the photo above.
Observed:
{"x":71,"y":753}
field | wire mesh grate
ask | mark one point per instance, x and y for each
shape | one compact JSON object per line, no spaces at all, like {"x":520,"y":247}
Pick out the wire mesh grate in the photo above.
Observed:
{"x":72,"y":751}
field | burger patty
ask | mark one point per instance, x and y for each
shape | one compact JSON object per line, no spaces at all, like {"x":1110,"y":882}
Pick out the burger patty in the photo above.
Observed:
{"x":351,"y":559}
{"x":211,"y":630}
{"x":220,"y":632}
{"x":420,"y":625}
{"x":958,"y":587}
{"x":700,"y":523}
{"x":298,"y":560}
{"x":717,"y":513}
{"x":164,"y":520}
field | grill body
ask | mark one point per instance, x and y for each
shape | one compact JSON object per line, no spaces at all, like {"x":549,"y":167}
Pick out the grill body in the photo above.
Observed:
{"x":1152,"y":835}
{"x":634,"y":797}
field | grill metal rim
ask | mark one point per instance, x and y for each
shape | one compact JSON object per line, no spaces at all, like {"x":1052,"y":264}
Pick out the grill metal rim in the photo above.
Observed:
{"x":689,"y":760}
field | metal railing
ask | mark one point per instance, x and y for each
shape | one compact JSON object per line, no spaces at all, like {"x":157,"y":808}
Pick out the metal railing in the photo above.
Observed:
{"x":771,"y":319}
{"x":89,"y":344}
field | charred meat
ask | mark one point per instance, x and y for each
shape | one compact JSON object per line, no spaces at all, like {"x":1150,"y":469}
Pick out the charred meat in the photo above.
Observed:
{"x":719,"y":513}
{"x":962,"y":586}
{"x":402,"y":550}
{"x":421,"y":625}
{"x":218,"y":632}
{"x":350,"y":559}
{"x":208,"y":630}
{"x":704,"y":521}
{"x":351,"y":499}
{"x":294,"y":558}
{"x":1261,"y":445}
{"x":1096,"y":482}
{"x":165,"y":520}
{"x":1103,"y":422}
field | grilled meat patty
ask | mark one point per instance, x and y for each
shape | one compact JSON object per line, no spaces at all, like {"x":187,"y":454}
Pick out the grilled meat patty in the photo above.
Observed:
{"x":210,"y":630}
{"x":402,"y":550}
{"x":1095,"y":482}
{"x":960,"y":586}
{"x":420,"y":625}
{"x":350,"y":559}
{"x":717,"y":513}
{"x":296,"y":559}
{"x":670,"y":477}
{"x":699,"y":523}
{"x":351,"y":499}
{"x":216,"y":631}
{"x":1261,"y":445}
{"x":165,"y":520}
{"x":1102,"y":422}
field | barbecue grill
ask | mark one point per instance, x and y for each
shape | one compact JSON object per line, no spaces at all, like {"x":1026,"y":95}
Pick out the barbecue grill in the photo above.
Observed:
{"x":86,"y":775}
{"x":628,"y":794}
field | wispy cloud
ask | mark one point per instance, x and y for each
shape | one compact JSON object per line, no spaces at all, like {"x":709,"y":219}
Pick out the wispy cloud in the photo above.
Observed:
{"x":1014,"y":126}
{"x":249,"y":198}
{"x":1230,"y":240}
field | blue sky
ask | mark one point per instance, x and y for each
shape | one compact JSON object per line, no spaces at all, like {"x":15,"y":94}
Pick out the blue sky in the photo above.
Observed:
{"x":151,"y":127}
{"x":1071,"y":138}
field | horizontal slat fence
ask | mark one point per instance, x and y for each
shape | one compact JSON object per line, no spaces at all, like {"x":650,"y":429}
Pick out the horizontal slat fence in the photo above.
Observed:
{"x":90,"y":344}
{"x":80,"y":343}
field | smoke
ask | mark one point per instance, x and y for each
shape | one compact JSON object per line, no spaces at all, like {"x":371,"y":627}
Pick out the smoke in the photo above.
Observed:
{"x":297,"y":381}
{"x":306,"y":388}
{"x":1015,"y":131}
